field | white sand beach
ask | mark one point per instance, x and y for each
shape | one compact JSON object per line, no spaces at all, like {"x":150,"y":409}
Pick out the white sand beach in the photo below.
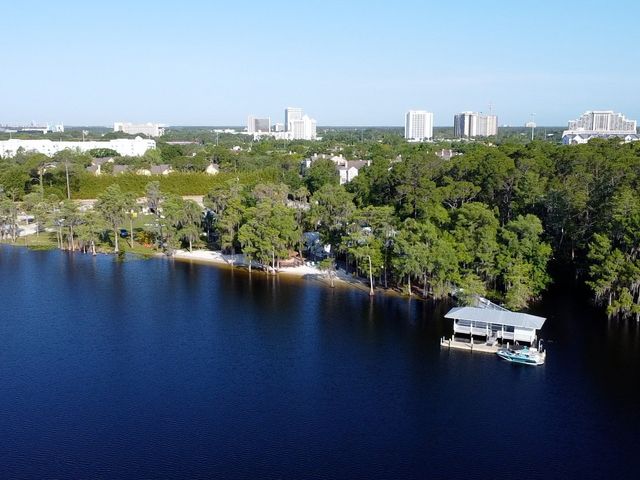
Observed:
{"x":307,"y":271}
{"x":216,"y":257}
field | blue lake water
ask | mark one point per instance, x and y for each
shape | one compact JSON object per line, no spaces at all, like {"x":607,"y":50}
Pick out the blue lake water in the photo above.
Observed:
{"x":162,"y":369}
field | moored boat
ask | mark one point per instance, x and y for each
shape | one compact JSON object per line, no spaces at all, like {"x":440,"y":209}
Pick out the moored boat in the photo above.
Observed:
{"x":525,"y":355}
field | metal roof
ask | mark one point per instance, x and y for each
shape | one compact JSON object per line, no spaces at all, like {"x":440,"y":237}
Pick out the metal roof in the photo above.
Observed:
{"x":497,"y":317}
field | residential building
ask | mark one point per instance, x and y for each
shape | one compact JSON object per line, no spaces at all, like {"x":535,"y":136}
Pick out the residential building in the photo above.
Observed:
{"x":148,"y":129}
{"x":258,"y":125}
{"x":291,"y":114}
{"x":33,"y":128}
{"x":347,"y":169}
{"x":603,"y":121}
{"x":163,"y":169}
{"x":120,"y":169}
{"x":471,"y":124}
{"x":212,"y":169}
{"x":600,"y":124}
{"x":96,"y":165}
{"x":302,"y":129}
{"x":351,"y":169}
{"x":446,"y":154}
{"x":418,"y":125}
{"x":299,"y":126}
{"x":124,"y":146}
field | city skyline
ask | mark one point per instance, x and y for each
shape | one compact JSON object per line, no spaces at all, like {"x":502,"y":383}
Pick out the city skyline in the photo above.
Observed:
{"x":197,"y":64}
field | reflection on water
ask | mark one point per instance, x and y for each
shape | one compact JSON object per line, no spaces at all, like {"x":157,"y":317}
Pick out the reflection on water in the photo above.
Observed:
{"x":154,"y":368}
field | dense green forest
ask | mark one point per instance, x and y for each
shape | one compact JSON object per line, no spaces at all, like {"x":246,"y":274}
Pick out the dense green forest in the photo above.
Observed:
{"x":487,"y":221}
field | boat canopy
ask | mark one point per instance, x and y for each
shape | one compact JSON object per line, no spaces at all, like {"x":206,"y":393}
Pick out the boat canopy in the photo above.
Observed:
{"x":496,"y":317}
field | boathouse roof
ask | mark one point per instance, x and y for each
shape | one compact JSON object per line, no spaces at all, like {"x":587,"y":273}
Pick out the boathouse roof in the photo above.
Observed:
{"x":496,"y":317}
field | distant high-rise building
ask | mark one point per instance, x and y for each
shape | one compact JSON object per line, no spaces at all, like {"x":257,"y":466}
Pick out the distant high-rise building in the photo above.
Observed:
{"x":600,"y":124}
{"x":291,"y":114}
{"x":603,"y":121}
{"x":149,"y":129}
{"x":418,"y":125}
{"x":471,"y":124}
{"x":258,"y":125}
{"x":297,"y":125}
{"x":302,"y":129}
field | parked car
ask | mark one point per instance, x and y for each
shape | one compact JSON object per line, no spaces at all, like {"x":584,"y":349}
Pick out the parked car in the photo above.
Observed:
{"x":124,"y":233}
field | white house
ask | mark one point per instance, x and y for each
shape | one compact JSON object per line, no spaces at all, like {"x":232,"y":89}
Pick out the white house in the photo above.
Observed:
{"x":350,"y":170}
{"x":212,"y":169}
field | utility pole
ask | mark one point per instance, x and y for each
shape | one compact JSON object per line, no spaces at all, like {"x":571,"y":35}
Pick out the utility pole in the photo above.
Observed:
{"x":66,"y":172}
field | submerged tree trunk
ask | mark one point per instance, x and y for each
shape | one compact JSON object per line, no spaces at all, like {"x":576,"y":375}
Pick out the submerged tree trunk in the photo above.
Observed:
{"x":115,"y":236}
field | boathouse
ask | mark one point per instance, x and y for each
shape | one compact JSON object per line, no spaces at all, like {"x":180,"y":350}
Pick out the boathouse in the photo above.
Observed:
{"x":495,"y":324}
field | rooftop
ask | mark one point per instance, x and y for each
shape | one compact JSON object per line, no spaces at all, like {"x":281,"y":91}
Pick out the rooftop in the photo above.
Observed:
{"x":497,"y":317}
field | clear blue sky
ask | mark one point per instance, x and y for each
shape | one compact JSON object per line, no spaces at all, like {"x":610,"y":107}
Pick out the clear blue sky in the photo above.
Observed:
{"x":345,"y":63}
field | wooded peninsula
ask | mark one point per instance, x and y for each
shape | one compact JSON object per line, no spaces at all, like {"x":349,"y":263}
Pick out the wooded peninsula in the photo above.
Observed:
{"x":489,"y":218}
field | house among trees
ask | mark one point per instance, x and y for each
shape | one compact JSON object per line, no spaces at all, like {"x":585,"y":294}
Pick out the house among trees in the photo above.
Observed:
{"x":350,"y":169}
{"x":161,"y":169}
{"x":96,"y":165}
{"x":120,"y":169}
{"x":347,"y":169}
{"x":212,"y":169}
{"x":446,"y":154}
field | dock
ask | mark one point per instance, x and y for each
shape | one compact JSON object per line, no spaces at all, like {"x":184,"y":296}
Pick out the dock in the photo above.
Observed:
{"x":469,"y":346}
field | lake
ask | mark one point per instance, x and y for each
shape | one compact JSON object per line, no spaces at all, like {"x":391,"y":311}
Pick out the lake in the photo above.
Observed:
{"x":161,"y":369}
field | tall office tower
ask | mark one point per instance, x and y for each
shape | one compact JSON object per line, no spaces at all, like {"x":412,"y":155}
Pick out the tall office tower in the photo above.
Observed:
{"x":471,"y":124}
{"x":258,"y":125}
{"x":291,"y":114}
{"x":418,"y":125}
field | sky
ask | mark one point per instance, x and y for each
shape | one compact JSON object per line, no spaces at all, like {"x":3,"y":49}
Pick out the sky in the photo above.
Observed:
{"x":346,"y":63}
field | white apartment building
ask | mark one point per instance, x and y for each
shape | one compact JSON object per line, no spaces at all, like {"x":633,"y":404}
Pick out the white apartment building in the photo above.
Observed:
{"x":302,"y":129}
{"x":149,"y":129}
{"x":418,"y":125}
{"x":258,"y":124}
{"x":471,"y":124}
{"x":600,"y":124}
{"x":603,"y":121}
{"x":124,"y":146}
{"x":291,"y":114}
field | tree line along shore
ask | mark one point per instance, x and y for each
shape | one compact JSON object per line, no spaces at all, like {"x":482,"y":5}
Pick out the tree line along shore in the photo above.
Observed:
{"x":487,"y":220}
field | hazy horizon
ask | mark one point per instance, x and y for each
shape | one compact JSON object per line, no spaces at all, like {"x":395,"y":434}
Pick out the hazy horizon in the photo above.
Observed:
{"x":357,"y":64}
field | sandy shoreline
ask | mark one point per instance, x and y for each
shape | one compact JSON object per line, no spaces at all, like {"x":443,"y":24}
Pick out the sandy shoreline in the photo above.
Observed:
{"x":306,"y":271}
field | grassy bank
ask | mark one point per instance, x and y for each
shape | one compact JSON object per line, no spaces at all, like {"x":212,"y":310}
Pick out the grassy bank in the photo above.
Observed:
{"x":47,"y":241}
